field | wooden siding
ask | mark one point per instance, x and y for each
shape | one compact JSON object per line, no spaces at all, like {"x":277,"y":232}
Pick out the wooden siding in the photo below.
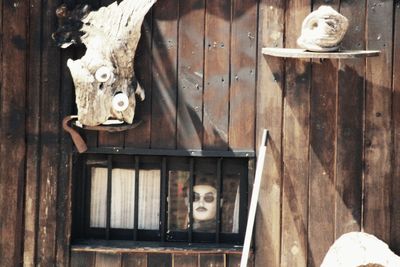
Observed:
{"x":138,"y":259}
{"x":333,"y":156}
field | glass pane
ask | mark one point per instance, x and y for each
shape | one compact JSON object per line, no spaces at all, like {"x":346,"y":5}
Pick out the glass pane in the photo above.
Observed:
{"x":177,"y":200}
{"x":230,"y":203}
{"x":122,"y":198}
{"x":149,"y":199}
{"x":98,"y":197}
{"x":204,"y":203}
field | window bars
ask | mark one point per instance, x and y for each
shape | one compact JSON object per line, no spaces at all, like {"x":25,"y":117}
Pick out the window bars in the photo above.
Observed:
{"x":151,"y":198}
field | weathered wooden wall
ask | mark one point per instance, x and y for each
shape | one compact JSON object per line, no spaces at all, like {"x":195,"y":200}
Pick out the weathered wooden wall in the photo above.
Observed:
{"x":141,"y":259}
{"x":332,"y":166}
{"x":333,"y":156}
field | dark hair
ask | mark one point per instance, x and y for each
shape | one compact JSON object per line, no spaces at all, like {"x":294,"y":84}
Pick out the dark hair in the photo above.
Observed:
{"x":201,"y":179}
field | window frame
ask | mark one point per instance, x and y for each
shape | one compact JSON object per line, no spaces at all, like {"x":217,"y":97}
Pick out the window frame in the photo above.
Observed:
{"x":164,"y":163}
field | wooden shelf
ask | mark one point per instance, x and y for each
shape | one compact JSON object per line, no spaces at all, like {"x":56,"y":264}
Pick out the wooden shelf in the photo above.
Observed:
{"x":302,"y":53}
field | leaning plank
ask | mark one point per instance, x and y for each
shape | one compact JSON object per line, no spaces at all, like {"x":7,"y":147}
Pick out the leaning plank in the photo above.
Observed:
{"x":12,"y":130}
{"x":269,"y":98}
{"x":254,"y":199}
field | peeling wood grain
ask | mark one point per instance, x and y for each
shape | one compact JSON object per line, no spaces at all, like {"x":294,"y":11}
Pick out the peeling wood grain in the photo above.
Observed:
{"x":12,"y":132}
{"x":216,"y":75}
{"x":378,"y":133}
{"x":296,"y":127}
{"x":269,"y":106}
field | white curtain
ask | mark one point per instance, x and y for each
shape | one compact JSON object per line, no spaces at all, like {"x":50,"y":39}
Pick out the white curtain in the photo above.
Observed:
{"x":122,"y":198}
{"x":149,"y":199}
{"x":98,"y":197}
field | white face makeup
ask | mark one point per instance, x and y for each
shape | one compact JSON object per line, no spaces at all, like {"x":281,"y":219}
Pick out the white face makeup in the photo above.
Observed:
{"x":204,"y":202}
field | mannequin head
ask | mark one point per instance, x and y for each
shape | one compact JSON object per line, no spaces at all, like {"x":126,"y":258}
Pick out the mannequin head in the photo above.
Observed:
{"x":204,"y":202}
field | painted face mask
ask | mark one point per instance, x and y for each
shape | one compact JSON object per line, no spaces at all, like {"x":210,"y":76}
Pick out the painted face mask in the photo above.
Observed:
{"x":204,"y":202}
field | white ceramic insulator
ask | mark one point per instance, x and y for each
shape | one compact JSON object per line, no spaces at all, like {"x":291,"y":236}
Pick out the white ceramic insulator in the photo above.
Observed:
{"x":120,"y":102}
{"x":103,"y":74}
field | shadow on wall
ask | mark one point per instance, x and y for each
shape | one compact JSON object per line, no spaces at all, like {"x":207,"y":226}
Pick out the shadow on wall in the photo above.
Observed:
{"x":190,"y":5}
{"x":327,"y":189}
{"x":175,"y":97}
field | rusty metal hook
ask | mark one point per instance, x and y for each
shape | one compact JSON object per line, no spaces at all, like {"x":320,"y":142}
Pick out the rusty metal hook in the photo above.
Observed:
{"x":79,"y":143}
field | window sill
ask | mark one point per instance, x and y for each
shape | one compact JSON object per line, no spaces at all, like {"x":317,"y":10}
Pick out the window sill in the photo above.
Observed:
{"x":116,"y":246}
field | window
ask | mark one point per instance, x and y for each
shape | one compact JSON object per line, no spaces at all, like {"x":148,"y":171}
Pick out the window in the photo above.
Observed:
{"x":161,"y":198}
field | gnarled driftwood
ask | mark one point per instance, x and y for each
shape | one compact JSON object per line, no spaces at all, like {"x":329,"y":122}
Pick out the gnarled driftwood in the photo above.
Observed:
{"x":104,"y":79}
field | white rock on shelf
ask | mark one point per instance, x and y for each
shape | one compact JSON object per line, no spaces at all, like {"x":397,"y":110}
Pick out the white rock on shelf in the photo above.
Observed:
{"x":323,"y":30}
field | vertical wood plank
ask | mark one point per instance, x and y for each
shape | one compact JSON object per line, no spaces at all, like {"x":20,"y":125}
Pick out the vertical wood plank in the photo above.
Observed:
{"x":233,"y":260}
{"x":83,"y":259}
{"x":64,"y":183}
{"x":378,"y":135}
{"x":349,"y":148}
{"x":140,"y":136}
{"x":190,"y":73}
{"x":186,"y":260}
{"x":50,"y":138}
{"x":134,"y":260}
{"x":164,"y":79}
{"x":216,"y":75}
{"x":33,"y":134}
{"x":108,"y":260}
{"x":295,"y":144}
{"x":64,"y":204}
{"x":215,"y":260}
{"x":12,"y":129}
{"x":395,"y":212}
{"x":321,"y":227}
{"x":270,"y":86}
{"x":106,"y":139}
{"x":159,"y":260}
{"x":243,"y":75}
